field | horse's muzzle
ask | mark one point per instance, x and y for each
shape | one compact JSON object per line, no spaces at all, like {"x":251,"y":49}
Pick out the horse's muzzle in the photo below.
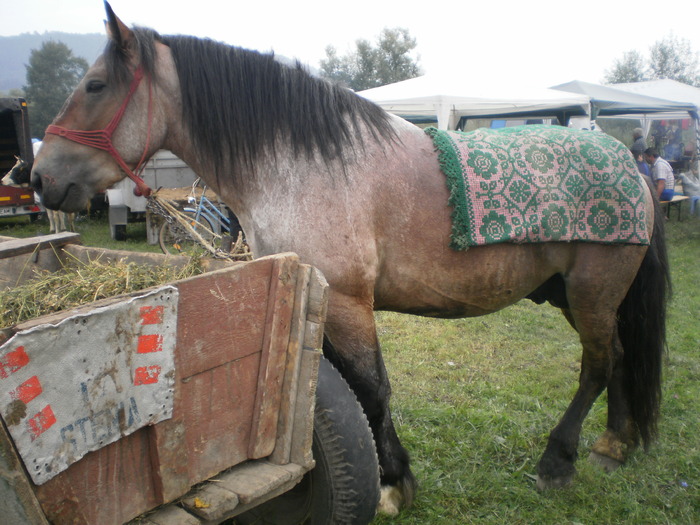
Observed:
{"x":36,"y":182}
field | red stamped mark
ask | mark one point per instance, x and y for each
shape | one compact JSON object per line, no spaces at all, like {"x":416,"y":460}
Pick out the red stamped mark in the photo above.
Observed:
{"x":151,"y":314}
{"x":150,"y":343}
{"x":146,"y":375}
{"x":13,"y":361}
{"x":28,"y":390}
{"x":41,"y":422}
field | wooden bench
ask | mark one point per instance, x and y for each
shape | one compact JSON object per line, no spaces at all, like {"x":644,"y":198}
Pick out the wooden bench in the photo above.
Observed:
{"x":676,"y":201}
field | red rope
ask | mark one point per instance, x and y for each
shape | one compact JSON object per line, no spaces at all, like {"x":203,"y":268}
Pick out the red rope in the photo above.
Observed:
{"x":102,"y":138}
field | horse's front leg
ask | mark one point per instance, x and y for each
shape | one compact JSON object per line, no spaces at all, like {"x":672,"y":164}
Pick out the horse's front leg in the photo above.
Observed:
{"x":352,"y":346}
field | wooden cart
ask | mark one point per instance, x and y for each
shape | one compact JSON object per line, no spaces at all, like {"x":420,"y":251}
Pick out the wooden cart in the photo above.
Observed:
{"x":191,"y":402}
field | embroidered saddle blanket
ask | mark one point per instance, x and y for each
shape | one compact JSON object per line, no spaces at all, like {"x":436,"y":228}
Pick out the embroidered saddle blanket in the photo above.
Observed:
{"x":540,"y":184}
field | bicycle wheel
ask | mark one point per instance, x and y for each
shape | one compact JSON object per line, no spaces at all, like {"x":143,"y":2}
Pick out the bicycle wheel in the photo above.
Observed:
{"x":175,"y":239}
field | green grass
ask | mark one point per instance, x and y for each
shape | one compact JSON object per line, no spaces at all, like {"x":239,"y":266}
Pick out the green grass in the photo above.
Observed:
{"x":93,"y":230}
{"x":475,"y":399}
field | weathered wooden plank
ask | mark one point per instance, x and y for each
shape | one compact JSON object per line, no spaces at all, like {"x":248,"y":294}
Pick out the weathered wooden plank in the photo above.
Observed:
{"x":17,"y":501}
{"x":217,"y":408}
{"x":273,"y":359}
{"x":21,"y":246}
{"x":109,"y":486}
{"x":318,"y":297}
{"x":252,"y":481}
{"x":317,"y":310}
{"x":171,"y":476}
{"x":222,"y":316}
{"x":285,"y":424}
{"x":170,"y":515}
{"x":85,"y":254}
{"x":211,"y":502}
{"x":313,"y":336}
{"x":302,"y":435}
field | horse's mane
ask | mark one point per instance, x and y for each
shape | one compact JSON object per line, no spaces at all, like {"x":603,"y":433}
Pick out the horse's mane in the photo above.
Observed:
{"x":238,"y":102}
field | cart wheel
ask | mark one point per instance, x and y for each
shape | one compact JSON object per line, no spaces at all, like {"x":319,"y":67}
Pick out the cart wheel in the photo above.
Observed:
{"x":343,"y":487}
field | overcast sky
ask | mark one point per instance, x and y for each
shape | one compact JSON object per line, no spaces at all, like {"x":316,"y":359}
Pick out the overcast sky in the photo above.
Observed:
{"x":534,"y":43}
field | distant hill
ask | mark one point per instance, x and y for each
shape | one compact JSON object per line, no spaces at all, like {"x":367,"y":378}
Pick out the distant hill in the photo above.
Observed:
{"x":15,"y":51}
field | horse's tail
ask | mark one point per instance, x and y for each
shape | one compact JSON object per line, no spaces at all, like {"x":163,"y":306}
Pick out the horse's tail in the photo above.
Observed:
{"x":642,"y":331}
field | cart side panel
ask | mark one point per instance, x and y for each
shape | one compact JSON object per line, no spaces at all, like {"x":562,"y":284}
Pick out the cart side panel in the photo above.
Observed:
{"x":232,"y":339}
{"x":278,"y":325}
{"x":19,"y":504}
{"x":106,"y":486}
{"x":21,"y":258}
{"x":220,"y":403}
{"x":221,"y":317}
{"x":233,"y":334}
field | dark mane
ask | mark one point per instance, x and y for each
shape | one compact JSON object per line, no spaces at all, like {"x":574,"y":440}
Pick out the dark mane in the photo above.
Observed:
{"x":237,"y":102}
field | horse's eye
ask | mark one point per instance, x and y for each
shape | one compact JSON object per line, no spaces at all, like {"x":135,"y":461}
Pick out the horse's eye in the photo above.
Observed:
{"x":95,"y":86}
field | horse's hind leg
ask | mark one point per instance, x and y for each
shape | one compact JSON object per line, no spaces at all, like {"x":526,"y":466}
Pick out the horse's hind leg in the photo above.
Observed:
{"x":352,"y":346}
{"x":621,"y":436}
{"x":556,"y":467}
{"x":593,"y":301}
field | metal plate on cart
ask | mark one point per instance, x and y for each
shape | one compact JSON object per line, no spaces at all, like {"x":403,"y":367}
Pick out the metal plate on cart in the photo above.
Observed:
{"x":76,"y":386}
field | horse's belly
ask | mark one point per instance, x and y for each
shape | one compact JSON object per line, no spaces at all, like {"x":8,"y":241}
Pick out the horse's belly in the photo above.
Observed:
{"x":479,"y":281}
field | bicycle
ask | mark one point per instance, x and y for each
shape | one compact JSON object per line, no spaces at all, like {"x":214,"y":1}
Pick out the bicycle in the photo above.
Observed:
{"x":202,"y":226}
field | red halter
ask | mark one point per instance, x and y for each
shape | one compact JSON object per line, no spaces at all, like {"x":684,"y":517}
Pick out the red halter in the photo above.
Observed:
{"x":102,"y":138}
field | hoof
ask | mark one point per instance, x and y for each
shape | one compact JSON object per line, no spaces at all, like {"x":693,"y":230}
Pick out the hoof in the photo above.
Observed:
{"x":390,"y":501}
{"x":393,"y":498}
{"x":547,"y":483}
{"x":607,"y":463}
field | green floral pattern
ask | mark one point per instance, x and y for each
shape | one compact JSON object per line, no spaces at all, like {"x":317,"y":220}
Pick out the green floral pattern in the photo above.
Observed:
{"x":541,"y":184}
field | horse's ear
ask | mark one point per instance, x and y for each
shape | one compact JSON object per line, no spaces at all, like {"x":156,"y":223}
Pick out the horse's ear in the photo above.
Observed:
{"x":116,"y":29}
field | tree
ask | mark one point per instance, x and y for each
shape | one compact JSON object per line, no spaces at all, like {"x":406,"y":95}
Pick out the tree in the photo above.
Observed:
{"x":674,"y":58}
{"x":52,"y":74}
{"x":629,"y":69}
{"x":670,"y":58}
{"x":373,"y":66}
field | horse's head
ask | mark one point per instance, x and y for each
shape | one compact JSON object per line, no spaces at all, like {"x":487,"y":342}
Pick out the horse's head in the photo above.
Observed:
{"x":109,"y":126}
{"x":18,"y":175}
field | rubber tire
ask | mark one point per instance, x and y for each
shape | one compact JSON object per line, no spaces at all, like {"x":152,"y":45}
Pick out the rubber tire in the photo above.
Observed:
{"x":343,"y":487}
{"x":190,"y":248}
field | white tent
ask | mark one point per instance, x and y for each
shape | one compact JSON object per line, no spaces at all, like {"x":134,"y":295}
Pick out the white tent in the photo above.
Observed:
{"x":671,"y":90}
{"x":666,"y":89}
{"x":448,"y":98}
{"x":608,"y":101}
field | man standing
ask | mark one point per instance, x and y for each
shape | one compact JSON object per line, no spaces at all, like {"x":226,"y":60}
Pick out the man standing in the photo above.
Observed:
{"x":639,"y":145}
{"x":661,"y":174}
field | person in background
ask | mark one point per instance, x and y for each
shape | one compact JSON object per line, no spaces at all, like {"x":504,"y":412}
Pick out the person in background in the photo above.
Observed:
{"x":643,"y":167}
{"x":639,"y":145}
{"x":661,"y":175}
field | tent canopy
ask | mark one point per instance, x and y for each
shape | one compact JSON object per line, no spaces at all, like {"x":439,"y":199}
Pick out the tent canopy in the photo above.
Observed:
{"x":609,"y":101}
{"x":667,"y":89}
{"x":449,"y":98}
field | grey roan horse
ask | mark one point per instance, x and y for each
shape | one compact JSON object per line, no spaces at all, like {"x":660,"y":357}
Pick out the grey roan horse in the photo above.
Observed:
{"x":312,"y":168}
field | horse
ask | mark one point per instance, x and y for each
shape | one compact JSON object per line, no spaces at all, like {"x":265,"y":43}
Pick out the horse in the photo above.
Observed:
{"x":311,"y":167}
{"x":20,"y":176}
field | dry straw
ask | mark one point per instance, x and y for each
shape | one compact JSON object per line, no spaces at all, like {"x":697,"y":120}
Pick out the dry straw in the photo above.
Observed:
{"x":79,"y":283}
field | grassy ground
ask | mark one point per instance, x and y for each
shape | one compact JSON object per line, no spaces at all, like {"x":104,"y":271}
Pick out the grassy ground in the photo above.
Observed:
{"x":475,"y":399}
{"x":94,"y":231}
